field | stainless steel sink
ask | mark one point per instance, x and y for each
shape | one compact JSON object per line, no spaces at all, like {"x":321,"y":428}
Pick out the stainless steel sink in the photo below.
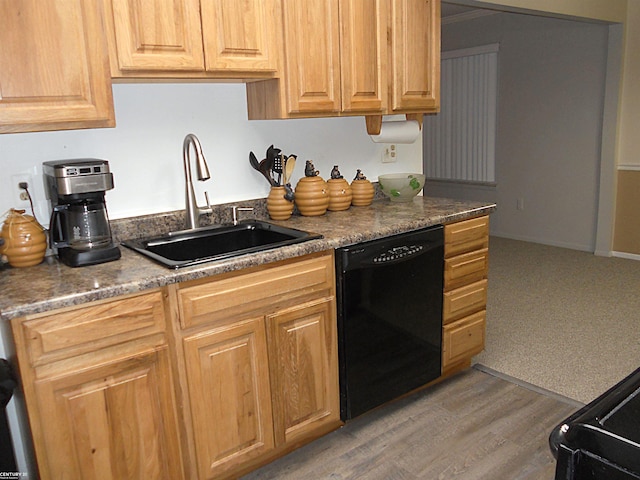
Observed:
{"x":192,"y":247}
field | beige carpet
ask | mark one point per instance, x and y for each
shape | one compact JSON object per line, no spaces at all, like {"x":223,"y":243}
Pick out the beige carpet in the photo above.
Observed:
{"x":560,"y":319}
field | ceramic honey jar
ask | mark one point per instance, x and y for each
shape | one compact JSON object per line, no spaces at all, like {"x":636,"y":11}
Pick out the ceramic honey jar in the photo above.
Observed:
{"x":362,"y":191}
{"x":311,"y":195}
{"x":25,"y":242}
{"x":340,"y":193}
{"x":278,"y":206}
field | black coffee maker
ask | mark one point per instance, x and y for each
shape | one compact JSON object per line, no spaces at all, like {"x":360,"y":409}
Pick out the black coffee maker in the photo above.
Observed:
{"x":79,"y":226}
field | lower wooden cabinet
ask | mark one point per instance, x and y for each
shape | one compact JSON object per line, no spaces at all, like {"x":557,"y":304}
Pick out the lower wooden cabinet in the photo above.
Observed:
{"x":303,"y":352}
{"x":230,"y":396}
{"x":466,"y":266}
{"x":199,"y":380}
{"x":107,"y":411}
{"x":463,"y":339}
{"x":111,"y":421}
{"x":257,"y":352}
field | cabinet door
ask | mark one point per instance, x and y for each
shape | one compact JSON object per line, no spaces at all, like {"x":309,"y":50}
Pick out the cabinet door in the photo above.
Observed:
{"x":54,"y":70}
{"x":228,"y":377}
{"x":415,"y":55}
{"x":154,"y":35}
{"x":312,"y":63}
{"x":304,"y":370}
{"x":363,"y":50}
{"x":463,"y":339}
{"x":114,"y":421}
{"x":240,"y":35}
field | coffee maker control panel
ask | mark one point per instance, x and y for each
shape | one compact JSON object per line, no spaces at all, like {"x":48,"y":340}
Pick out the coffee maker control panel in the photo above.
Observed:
{"x":74,"y":177}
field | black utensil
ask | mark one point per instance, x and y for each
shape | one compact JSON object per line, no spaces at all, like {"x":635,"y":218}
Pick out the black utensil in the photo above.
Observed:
{"x":259,"y":166}
{"x":278,"y":168}
{"x":253,"y":161}
{"x":264,"y":169}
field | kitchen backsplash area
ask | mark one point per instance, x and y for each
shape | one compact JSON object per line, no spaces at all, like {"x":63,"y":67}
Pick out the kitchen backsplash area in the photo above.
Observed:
{"x":144,"y":150}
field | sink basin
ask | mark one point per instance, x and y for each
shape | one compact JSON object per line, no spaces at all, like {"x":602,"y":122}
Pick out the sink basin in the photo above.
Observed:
{"x":191,"y":247}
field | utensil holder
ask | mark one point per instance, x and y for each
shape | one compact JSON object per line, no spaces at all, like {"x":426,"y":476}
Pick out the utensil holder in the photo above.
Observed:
{"x":363,"y":193}
{"x":312,"y":197}
{"x":340,"y":194}
{"x":279,"y":208}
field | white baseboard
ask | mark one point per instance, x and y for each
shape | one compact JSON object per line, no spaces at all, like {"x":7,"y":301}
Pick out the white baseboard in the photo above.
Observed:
{"x":630,"y":256}
{"x":552,"y":243}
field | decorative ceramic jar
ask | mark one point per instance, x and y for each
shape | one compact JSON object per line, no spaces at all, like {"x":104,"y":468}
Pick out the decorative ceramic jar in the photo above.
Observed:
{"x":279,"y":208}
{"x":312,"y":196}
{"x":340,"y":194}
{"x":24,"y":240}
{"x":363,"y":193}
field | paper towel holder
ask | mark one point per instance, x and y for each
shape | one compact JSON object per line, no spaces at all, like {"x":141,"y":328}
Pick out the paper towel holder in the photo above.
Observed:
{"x":374,"y":122}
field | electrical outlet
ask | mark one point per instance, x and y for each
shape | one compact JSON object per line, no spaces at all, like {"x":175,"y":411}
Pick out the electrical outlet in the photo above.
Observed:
{"x":20,"y":198}
{"x":389,"y":154}
{"x":520,"y":204}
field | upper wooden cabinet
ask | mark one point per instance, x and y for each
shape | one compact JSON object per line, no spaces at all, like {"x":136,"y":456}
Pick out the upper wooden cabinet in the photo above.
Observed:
{"x":54,"y":68}
{"x":193,"y":38}
{"x":156,"y":35}
{"x":415,"y":55}
{"x":334,"y":57}
{"x":354,"y":57}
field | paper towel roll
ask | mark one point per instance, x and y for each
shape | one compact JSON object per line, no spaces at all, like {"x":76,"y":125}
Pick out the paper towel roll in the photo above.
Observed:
{"x":398,"y":132}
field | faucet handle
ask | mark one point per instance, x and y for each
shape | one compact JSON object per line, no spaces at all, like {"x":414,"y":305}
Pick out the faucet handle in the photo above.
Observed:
{"x":235,"y":209}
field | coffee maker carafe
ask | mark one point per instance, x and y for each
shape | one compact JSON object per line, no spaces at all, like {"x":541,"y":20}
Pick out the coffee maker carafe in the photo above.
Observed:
{"x":79,"y":226}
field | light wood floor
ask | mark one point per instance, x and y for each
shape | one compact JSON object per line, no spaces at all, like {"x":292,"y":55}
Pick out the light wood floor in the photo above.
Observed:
{"x":472,"y":426}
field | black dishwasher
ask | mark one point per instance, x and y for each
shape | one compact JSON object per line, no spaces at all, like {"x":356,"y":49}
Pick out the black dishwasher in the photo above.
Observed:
{"x":389,"y":317}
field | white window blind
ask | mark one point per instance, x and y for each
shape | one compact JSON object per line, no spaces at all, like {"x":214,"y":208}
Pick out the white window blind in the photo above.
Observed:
{"x":459,"y":142}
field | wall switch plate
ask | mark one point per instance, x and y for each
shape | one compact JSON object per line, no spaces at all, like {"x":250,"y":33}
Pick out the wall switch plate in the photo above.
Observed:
{"x":390,"y":154}
{"x":520,"y":204}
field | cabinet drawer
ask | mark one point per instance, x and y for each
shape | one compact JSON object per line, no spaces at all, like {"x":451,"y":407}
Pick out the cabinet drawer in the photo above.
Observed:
{"x":464,"y":301}
{"x":264,"y":288}
{"x":463,"y":339}
{"x":466,"y":268}
{"x":466,"y":236}
{"x":86,"y":328}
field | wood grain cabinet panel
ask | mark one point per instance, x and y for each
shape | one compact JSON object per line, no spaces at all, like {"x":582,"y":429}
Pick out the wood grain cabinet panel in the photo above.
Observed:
{"x":306,"y":395}
{"x":466,"y":267}
{"x":240,"y":36}
{"x":54,"y":67}
{"x":227,"y":297}
{"x":98,"y":385}
{"x":111,"y":421}
{"x":466,"y":236}
{"x":230,"y":396}
{"x":415,"y":55}
{"x":363,"y":51}
{"x":349,"y":57}
{"x":260,"y":360}
{"x":193,"y":38}
{"x":83,"y":329}
{"x":312,"y":46}
{"x":463,"y":339}
{"x":464,"y":301}
{"x":157,"y":35}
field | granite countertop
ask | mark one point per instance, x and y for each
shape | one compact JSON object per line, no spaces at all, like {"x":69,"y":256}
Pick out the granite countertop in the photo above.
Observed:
{"x":52,"y":285}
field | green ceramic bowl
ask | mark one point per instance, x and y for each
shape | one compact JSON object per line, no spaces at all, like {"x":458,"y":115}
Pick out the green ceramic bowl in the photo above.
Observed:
{"x":401,"y":187}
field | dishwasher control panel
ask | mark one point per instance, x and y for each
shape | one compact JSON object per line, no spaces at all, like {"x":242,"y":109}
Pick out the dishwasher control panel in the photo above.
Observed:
{"x":397,"y":253}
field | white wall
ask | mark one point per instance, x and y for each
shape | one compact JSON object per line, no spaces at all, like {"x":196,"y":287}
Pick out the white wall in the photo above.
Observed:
{"x":145,"y":149}
{"x":551,"y":87}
